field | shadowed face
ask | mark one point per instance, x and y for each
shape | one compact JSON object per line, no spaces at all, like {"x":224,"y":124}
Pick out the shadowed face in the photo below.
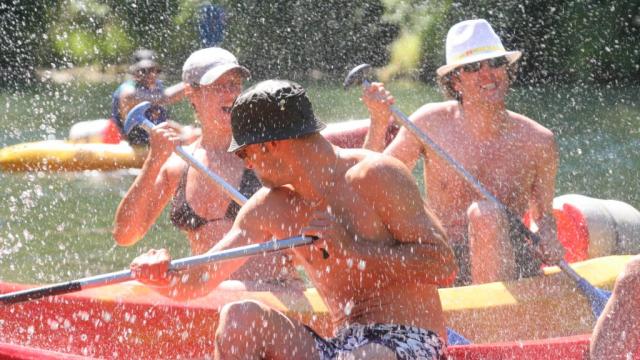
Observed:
{"x":147,"y":77}
{"x":267,"y":162}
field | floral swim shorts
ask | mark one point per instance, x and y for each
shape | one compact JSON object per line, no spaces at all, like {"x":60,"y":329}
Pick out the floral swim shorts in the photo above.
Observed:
{"x":408,"y":342}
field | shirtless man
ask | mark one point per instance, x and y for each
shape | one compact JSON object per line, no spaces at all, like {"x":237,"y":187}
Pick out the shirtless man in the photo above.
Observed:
{"x":514,"y":157}
{"x":617,"y":334}
{"x":388,"y":255}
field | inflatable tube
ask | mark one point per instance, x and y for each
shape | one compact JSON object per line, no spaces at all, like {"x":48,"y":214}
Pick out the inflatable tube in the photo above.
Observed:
{"x":95,"y":145}
{"x":591,"y":228}
{"x":102,"y":131}
{"x":59,"y":155}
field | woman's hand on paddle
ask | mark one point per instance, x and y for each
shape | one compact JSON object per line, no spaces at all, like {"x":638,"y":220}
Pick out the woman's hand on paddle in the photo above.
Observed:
{"x":378,"y":101}
{"x":152,"y":268}
{"x":328,"y":229}
{"x":164,"y":138}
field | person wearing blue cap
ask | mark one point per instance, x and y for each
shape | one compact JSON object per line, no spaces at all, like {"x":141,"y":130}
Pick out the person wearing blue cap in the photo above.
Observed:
{"x":514,"y":157}
{"x":144,"y":86}
{"x":387,"y":254}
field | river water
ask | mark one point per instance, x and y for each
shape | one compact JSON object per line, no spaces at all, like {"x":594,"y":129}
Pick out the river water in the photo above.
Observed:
{"x":56,"y":226}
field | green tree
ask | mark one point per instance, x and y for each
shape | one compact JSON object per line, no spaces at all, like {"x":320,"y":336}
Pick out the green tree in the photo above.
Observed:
{"x":297,"y":38}
{"x":23,"y":41}
{"x":562,"y":40}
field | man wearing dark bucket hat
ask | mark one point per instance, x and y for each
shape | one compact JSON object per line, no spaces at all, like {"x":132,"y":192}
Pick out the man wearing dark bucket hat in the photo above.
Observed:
{"x":514,"y":157}
{"x":387,"y":256}
{"x":145,"y":86}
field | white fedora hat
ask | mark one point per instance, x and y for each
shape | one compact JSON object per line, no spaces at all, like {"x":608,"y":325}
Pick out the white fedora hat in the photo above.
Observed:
{"x":473,"y":40}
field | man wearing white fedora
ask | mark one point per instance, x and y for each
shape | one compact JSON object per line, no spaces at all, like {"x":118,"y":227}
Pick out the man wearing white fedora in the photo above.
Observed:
{"x":514,"y":157}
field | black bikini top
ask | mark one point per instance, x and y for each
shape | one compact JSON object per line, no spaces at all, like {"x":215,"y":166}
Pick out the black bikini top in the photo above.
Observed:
{"x":185,"y":218}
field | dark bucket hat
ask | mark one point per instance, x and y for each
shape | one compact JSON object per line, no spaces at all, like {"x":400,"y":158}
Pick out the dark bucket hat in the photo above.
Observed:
{"x":271,"y":110}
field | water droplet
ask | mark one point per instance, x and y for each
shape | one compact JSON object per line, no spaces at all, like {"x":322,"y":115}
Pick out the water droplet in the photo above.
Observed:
{"x":362,"y":265}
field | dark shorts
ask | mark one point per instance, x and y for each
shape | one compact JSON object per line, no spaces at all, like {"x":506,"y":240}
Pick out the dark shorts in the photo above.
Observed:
{"x":408,"y":342}
{"x":527,"y":263}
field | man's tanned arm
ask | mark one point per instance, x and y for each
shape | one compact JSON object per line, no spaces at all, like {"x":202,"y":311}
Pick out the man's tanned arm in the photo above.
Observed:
{"x":542,"y":199}
{"x":201,"y":280}
{"x":420,"y":246}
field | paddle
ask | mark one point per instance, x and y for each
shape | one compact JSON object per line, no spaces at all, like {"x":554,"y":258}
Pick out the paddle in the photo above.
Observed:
{"x":597,"y":297}
{"x":176,"y":265}
{"x":138,"y":117}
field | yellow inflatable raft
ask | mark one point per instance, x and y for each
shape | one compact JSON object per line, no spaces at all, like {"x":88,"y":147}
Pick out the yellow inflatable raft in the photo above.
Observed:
{"x":61,"y":155}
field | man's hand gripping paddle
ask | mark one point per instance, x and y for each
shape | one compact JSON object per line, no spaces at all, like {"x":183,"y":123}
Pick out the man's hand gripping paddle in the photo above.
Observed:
{"x":176,"y":265}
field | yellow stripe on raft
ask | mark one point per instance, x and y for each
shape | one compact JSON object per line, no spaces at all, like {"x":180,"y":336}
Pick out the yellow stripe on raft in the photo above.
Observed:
{"x":535,"y":308}
{"x":60,"y":155}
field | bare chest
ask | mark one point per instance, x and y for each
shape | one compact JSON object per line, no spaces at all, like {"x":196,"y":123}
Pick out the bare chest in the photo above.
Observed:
{"x":506,"y":167}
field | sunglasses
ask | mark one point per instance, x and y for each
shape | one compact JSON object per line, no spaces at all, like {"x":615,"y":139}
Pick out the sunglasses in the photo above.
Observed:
{"x":493,"y":63}
{"x":149,"y":71}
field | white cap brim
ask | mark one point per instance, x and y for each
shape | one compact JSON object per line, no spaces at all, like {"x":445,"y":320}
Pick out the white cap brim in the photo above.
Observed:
{"x":215,"y":72}
{"x":512,"y":56}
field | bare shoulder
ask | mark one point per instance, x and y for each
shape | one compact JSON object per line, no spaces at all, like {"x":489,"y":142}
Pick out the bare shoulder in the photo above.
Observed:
{"x":532,"y":129}
{"x":127,"y":91}
{"x":372,"y":168}
{"x":266,"y":200}
{"x":267,"y":210}
{"x":435,"y":114}
{"x":527,"y":124}
{"x":172,"y":170}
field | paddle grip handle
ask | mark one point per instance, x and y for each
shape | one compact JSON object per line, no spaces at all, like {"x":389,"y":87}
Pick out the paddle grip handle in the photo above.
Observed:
{"x":33,"y":294}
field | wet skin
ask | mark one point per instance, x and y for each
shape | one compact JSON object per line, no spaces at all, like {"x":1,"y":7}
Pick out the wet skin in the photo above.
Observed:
{"x":616,"y":334}
{"x":387,"y":254}
{"x":161,"y":173}
{"x":514,"y":157}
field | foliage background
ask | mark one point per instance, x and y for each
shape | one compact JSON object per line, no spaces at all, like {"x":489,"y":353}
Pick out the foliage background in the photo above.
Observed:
{"x":563,"y":40}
